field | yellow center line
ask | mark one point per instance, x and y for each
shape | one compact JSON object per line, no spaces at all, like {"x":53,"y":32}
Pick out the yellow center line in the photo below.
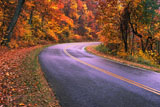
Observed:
{"x":113,"y":75}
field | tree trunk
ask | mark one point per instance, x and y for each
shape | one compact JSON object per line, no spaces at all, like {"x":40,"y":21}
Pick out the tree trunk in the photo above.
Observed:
{"x":134,"y":30}
{"x":124,"y":31}
{"x":142,"y":45}
{"x":42,"y":23}
{"x":31,"y":15}
{"x":13,"y":22}
{"x":126,"y":37}
{"x":132,"y":50}
{"x":158,"y":47}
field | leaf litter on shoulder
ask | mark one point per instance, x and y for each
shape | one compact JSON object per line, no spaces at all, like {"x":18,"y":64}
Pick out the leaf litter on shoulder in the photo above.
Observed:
{"x":20,"y":86}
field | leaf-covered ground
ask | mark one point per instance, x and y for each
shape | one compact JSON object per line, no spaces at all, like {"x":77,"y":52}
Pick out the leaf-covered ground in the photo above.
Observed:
{"x":21,"y":81}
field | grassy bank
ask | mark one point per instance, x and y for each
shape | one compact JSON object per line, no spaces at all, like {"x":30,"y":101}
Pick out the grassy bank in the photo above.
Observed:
{"x":33,"y":89}
{"x":131,"y":61}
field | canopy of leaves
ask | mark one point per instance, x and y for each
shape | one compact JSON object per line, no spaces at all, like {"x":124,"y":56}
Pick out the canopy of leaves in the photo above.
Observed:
{"x":48,"y":20}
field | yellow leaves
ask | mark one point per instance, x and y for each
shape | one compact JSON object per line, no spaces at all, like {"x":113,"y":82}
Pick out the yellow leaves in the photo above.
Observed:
{"x":120,"y":7}
{"x":74,"y":4}
{"x":52,"y":34}
{"x":122,"y":54}
{"x":67,"y":20}
{"x":55,"y":37}
{"x":88,"y":29}
{"x":85,"y":7}
{"x":49,"y":17}
{"x":147,"y":56}
{"x":37,"y":17}
{"x":55,"y":7}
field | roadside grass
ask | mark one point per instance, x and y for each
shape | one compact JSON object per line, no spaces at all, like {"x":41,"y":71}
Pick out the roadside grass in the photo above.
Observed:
{"x":139,"y":62}
{"x":36,"y":91}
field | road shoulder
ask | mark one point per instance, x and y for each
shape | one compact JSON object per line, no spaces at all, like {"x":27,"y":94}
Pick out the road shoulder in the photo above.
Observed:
{"x":91,"y":49}
{"x":22,"y":83}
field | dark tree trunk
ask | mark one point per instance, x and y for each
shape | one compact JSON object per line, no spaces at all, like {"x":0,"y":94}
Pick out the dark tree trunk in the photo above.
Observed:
{"x":142,"y":45}
{"x":132,"y":50}
{"x":126,"y":46}
{"x":134,"y":30}
{"x":124,"y":37}
{"x":124,"y":27}
{"x":158,"y":47}
{"x":31,"y":15}
{"x":148,"y":42}
{"x":42,"y":24}
{"x":13,"y":22}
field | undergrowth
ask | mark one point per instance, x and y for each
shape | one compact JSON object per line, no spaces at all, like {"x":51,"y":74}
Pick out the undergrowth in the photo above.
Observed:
{"x":139,"y":57}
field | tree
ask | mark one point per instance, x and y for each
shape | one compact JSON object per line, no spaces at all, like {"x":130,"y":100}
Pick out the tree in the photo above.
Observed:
{"x":122,"y":19}
{"x":142,"y":19}
{"x":13,"y":22}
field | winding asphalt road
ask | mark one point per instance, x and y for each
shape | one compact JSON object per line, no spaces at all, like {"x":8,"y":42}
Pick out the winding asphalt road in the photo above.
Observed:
{"x":80,"y":79}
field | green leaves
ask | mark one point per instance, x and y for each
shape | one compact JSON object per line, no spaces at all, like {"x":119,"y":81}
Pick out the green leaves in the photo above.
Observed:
{"x":147,"y":11}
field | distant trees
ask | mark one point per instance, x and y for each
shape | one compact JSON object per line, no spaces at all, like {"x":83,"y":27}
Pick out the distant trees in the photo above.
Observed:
{"x":130,"y":28}
{"x":122,"y":20}
{"x":83,"y":15}
{"x":32,"y":21}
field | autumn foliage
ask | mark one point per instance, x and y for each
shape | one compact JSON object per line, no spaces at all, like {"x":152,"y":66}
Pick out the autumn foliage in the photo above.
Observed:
{"x":130,"y":27}
{"x":51,"y":20}
{"x":26,"y":23}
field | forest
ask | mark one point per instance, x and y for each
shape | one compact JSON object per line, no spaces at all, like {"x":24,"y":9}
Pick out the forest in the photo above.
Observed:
{"x":30,"y":22}
{"x":126,"y":29}
{"x":130,"y":29}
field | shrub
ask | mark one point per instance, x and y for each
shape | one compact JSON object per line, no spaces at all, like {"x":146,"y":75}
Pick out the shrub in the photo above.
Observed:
{"x":143,"y":61}
{"x":102,"y":48}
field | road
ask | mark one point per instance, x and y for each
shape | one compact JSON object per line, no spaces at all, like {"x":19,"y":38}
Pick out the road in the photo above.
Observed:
{"x":81,"y":79}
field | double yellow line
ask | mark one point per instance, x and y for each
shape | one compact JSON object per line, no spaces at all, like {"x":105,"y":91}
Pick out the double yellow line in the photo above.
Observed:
{"x":113,"y":75}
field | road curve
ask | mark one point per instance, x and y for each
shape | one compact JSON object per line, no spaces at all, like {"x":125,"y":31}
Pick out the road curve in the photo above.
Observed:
{"x":80,"y":79}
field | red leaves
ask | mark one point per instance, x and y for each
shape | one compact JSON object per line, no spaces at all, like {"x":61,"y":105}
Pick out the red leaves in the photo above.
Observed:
{"x":60,"y":5}
{"x":80,"y":4}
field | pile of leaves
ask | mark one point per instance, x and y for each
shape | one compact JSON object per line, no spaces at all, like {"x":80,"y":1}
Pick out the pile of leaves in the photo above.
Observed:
{"x":18,"y":85}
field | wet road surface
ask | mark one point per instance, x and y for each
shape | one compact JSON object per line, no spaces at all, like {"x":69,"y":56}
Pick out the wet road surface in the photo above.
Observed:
{"x":81,"y":79}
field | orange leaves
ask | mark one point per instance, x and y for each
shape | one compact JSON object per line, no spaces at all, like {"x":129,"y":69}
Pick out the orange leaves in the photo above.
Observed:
{"x":80,"y":4}
{"x":60,"y":5}
{"x":21,"y":104}
{"x":12,"y":1}
{"x":53,"y":6}
{"x":30,"y":4}
{"x":109,"y":16}
{"x":76,"y":37}
{"x":9,"y":61}
{"x":42,"y":17}
{"x":67,"y":20}
{"x":52,"y":34}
